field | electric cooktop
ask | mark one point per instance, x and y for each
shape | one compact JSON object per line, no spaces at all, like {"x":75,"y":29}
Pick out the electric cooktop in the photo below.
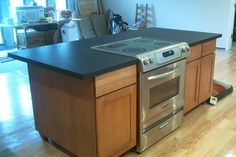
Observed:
{"x":134,"y":46}
{"x":152,"y":53}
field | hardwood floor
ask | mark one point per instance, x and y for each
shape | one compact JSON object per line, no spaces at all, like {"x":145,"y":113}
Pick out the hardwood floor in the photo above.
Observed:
{"x":206,"y":131}
{"x":17,"y":130}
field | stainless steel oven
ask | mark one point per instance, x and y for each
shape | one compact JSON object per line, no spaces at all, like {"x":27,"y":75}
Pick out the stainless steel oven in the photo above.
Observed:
{"x":161,"y":102}
{"x":161,"y":84}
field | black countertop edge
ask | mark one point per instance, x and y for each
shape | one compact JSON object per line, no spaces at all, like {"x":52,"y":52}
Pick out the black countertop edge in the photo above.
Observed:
{"x":206,"y":40}
{"x":74,"y":74}
{"x":191,"y":37}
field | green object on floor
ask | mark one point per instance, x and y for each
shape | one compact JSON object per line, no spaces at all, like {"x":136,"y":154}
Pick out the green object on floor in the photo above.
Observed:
{"x":7,"y":153}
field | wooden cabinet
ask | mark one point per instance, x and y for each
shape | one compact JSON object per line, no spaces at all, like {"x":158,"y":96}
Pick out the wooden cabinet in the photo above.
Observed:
{"x":116,"y":105}
{"x":116,"y":121}
{"x":192,"y":84}
{"x":90,"y":118}
{"x":206,"y":79}
{"x":30,"y":39}
{"x":199,"y":75}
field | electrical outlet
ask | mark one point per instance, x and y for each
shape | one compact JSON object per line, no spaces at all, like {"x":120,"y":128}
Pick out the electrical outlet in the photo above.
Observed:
{"x":213,"y":100}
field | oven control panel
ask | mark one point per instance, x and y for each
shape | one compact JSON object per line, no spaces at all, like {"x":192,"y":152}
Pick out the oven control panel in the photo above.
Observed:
{"x":160,"y":57}
{"x":169,"y":55}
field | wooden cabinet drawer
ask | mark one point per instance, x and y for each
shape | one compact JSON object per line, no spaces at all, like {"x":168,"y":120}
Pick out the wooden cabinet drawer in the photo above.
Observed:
{"x":112,"y":81}
{"x":196,"y":52}
{"x":208,"y":47}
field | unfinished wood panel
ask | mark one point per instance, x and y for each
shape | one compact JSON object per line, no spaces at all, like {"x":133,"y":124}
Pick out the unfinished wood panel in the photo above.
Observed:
{"x":196,"y":52}
{"x":64,"y":110}
{"x":115,"y":80}
{"x":208,"y":47}
{"x":116,"y":122}
{"x":206,"y":77}
{"x":193,"y":70}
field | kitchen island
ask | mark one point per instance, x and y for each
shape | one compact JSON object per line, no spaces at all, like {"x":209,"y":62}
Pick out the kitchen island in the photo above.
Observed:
{"x":85,"y":100}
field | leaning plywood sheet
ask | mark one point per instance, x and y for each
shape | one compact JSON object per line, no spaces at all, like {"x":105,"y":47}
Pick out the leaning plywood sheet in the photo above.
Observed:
{"x":99,"y":23}
{"x":86,"y":27}
{"x":86,"y":7}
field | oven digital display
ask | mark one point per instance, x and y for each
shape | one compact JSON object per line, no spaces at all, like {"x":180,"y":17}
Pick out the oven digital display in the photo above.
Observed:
{"x":168,"y":53}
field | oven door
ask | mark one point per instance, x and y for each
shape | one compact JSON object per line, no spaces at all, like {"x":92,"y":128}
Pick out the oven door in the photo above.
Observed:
{"x":161,"y":92}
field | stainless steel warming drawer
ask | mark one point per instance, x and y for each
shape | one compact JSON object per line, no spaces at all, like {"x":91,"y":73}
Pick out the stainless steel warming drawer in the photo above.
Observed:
{"x":161,"y":128}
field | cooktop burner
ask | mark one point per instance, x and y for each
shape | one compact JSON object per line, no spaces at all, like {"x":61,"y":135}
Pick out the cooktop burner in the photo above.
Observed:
{"x":116,"y":45}
{"x":134,"y":50}
{"x":141,"y":40}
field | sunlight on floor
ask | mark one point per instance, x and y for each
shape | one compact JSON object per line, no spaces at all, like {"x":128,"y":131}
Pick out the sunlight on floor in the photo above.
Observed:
{"x":5,"y":105}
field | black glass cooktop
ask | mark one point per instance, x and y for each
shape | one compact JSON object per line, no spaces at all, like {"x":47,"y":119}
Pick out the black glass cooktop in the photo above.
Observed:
{"x":134,"y":46}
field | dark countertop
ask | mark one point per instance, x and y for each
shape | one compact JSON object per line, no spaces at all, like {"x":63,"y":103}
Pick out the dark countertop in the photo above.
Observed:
{"x":76,"y":59}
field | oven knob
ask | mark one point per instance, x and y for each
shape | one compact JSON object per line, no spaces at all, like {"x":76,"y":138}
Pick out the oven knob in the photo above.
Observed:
{"x":145,"y":62}
{"x":150,"y":60}
{"x":182,"y":50}
{"x":187,"y":49}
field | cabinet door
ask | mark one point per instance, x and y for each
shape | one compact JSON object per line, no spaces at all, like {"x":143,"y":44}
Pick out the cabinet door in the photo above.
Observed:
{"x":116,"y":122}
{"x":206,"y":79}
{"x":193,"y":70}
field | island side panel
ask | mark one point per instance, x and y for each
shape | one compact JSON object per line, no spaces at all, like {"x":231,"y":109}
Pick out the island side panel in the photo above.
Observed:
{"x":64,"y":110}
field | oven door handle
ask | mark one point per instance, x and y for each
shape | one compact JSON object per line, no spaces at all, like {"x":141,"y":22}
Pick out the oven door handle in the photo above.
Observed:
{"x":163,"y":75}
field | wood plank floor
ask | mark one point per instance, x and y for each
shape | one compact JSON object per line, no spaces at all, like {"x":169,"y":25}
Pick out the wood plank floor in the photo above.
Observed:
{"x":207,"y":130}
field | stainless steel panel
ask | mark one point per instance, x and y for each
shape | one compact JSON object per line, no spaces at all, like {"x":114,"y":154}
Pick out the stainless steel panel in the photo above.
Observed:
{"x":159,"y":131}
{"x":162,"y":110}
{"x":147,"y":113}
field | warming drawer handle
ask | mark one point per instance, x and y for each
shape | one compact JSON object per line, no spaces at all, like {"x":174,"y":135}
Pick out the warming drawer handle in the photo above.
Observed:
{"x":164,"y":124}
{"x":163,"y":75}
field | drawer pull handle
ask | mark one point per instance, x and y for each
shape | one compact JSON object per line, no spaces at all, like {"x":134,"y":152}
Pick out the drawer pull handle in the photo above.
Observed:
{"x":164,"y":124}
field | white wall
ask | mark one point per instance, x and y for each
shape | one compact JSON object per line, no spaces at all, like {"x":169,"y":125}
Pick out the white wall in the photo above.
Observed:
{"x":214,"y":16}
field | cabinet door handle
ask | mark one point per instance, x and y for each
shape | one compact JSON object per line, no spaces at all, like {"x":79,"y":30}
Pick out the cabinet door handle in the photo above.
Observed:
{"x":164,"y":74}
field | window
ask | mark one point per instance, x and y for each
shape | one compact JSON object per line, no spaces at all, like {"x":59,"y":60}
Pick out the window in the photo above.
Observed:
{"x":1,"y":37}
{"x":41,"y":2}
{"x":12,"y":9}
{"x":61,"y":4}
{"x":14,"y":3}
